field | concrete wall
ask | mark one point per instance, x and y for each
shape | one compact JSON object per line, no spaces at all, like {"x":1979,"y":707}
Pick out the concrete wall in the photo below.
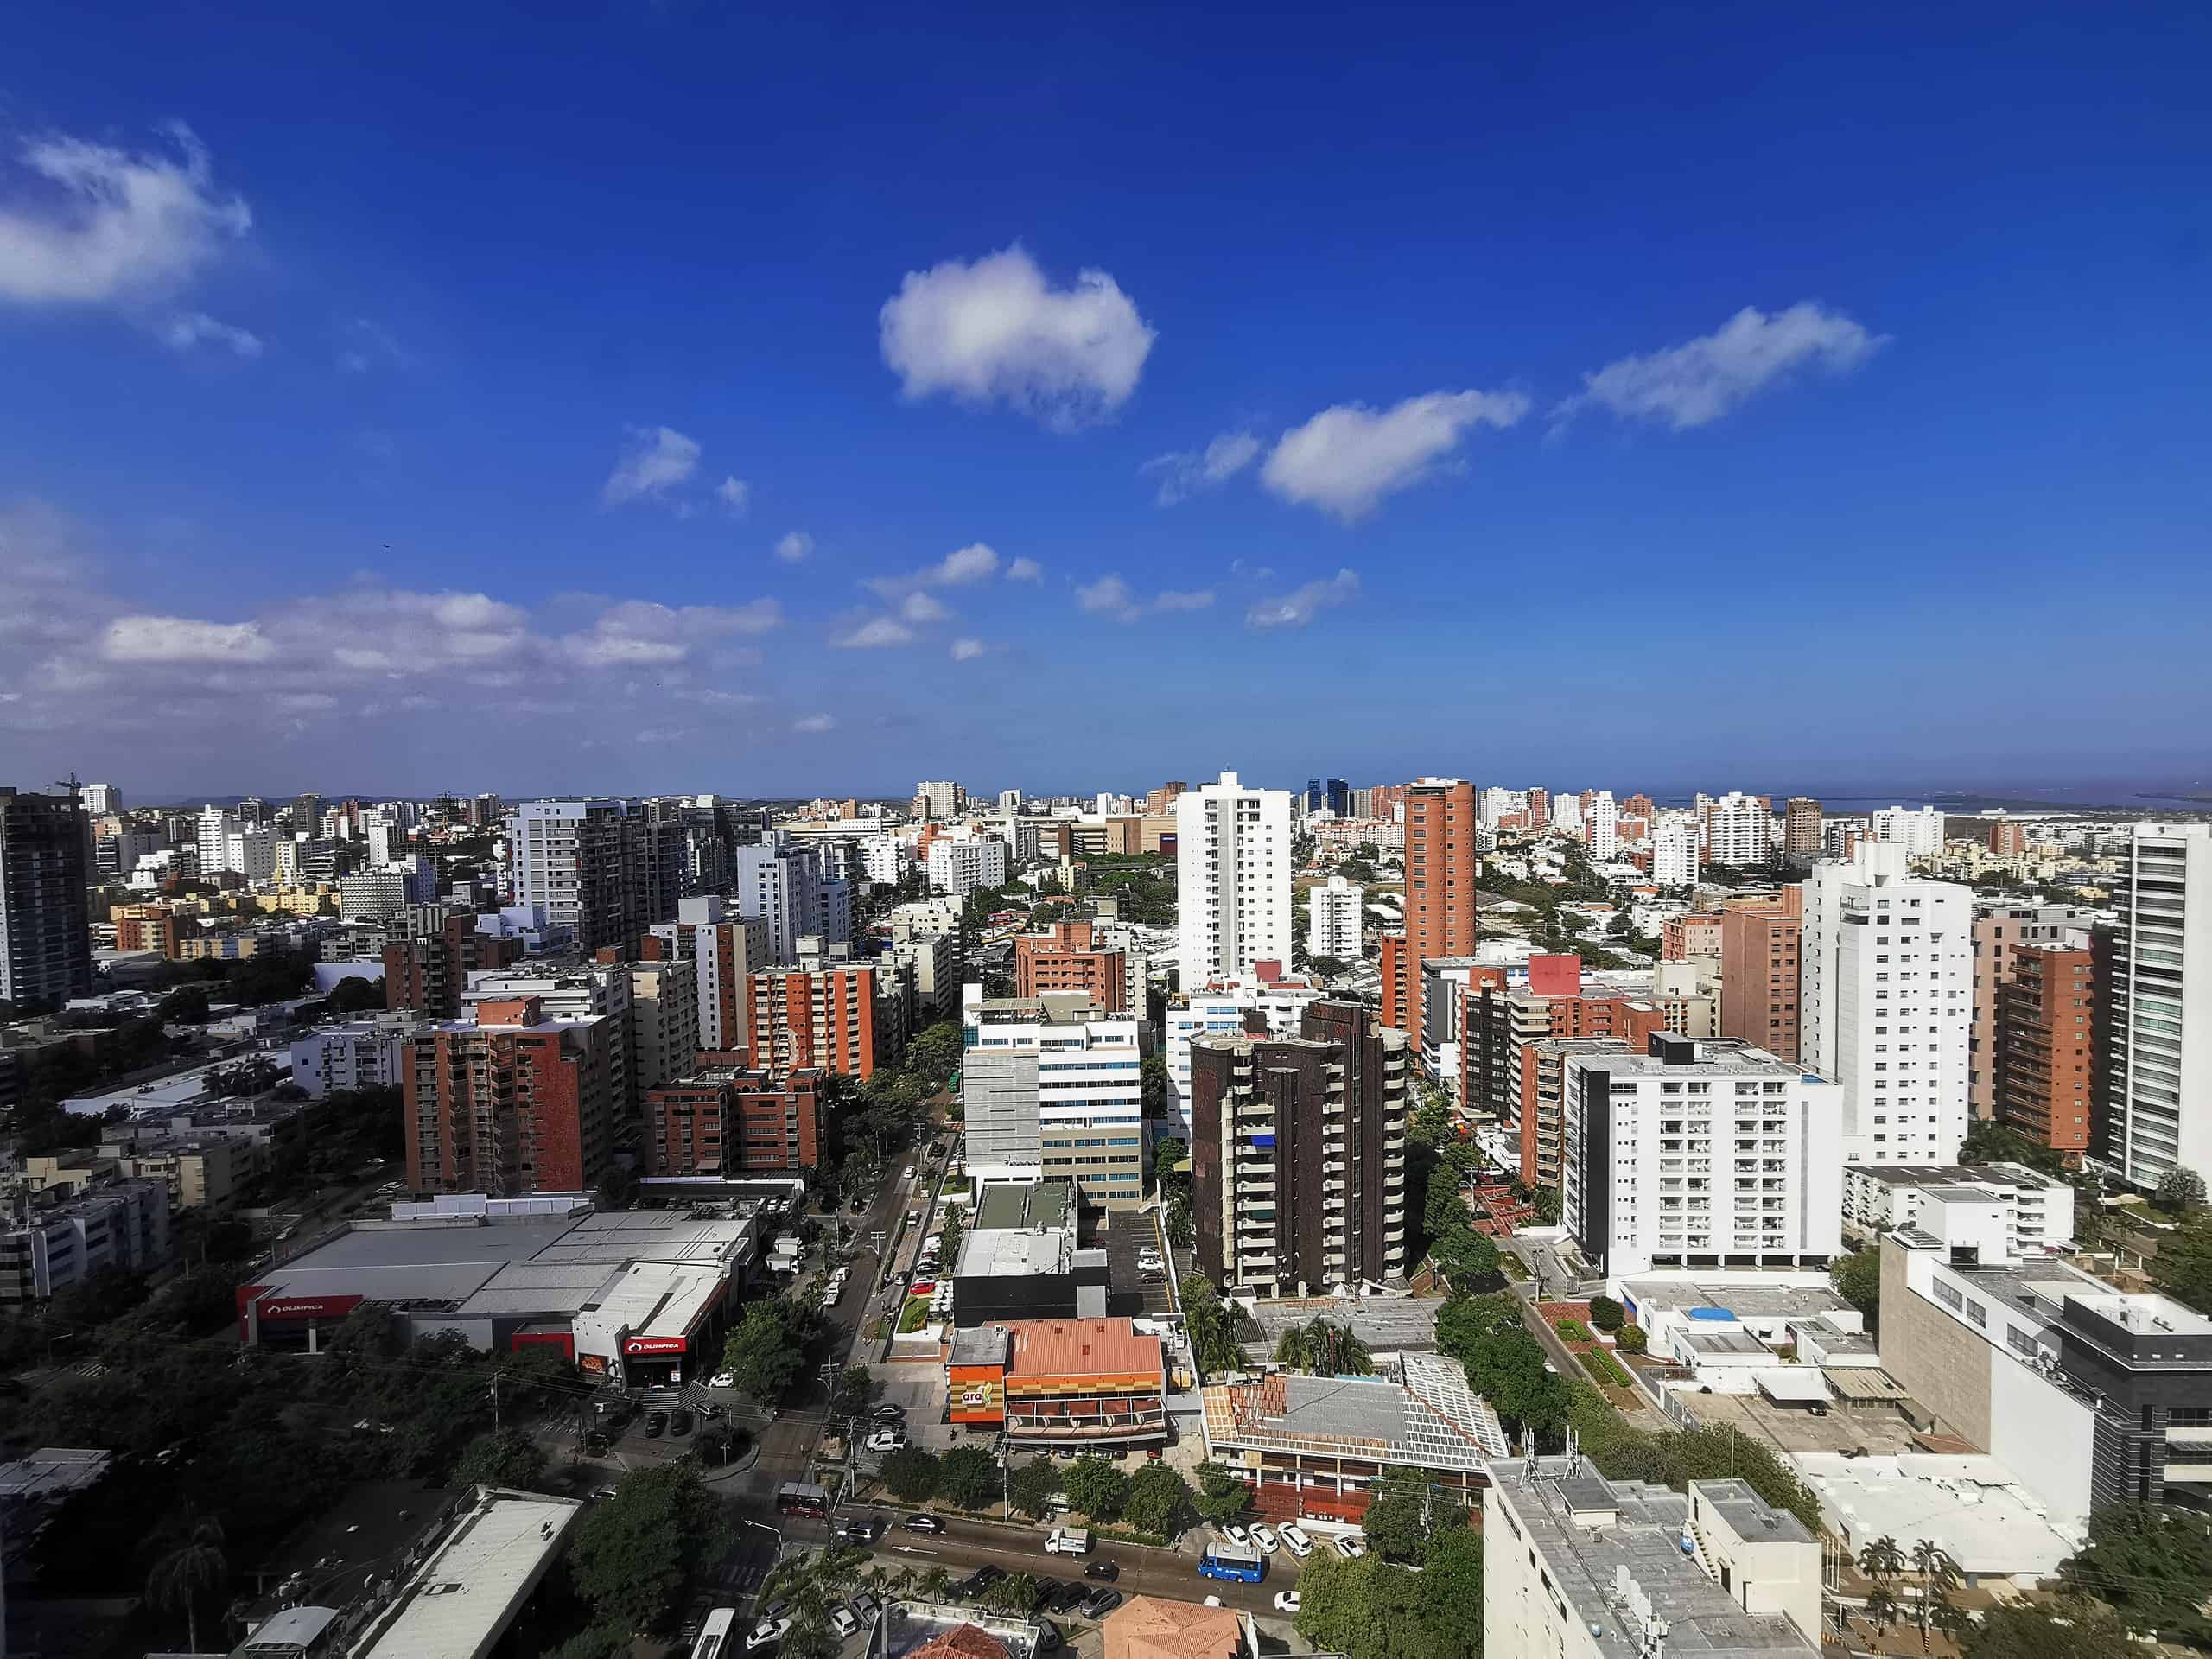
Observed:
{"x":2045,"y":1435}
{"x":1941,"y":1364}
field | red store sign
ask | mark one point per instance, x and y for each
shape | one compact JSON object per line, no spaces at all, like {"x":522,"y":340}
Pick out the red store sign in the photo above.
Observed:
{"x":643,"y":1346}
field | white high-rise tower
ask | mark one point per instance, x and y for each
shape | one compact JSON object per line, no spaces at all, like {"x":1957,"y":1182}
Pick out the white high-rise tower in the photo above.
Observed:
{"x":1232,"y":859}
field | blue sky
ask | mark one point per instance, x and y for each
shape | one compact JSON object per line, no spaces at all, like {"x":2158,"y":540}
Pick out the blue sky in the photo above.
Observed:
{"x":1648,"y":397}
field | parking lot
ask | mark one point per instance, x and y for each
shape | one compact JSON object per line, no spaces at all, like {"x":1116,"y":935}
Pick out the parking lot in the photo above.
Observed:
{"x":1128,"y":1290}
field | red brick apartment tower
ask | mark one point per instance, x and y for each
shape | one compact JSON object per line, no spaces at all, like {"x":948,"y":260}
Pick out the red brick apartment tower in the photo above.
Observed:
{"x":2044,"y":1055}
{"x":730,"y":1122}
{"x":1759,"y":941}
{"x":824,"y":1019}
{"x":1440,"y":866}
{"x":512,"y":1105}
{"x":1064,"y":958}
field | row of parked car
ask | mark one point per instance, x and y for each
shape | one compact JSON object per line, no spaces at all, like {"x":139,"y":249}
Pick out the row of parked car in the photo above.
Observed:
{"x":1293,"y":1537}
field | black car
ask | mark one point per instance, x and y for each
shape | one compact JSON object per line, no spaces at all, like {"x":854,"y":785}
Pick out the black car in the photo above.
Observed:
{"x":1068,"y":1597}
{"x":679,"y":1425}
{"x":1099,"y":1603}
{"x":860,"y":1529}
{"x":1048,"y":1636}
{"x":889,"y":1415}
{"x":656,"y":1425}
{"x":1044,"y":1590}
{"x":922,"y":1524}
{"x":1104,"y":1572}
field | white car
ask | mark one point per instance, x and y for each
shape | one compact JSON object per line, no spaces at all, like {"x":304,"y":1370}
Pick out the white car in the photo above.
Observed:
{"x":1237,"y":1535}
{"x":886,"y":1439}
{"x":908,"y":1173}
{"x":1286,"y":1601}
{"x":722,"y":1380}
{"x":1264,"y":1539}
{"x":767,"y":1632}
{"x":842,"y":1621}
{"x":1349,"y":1547}
{"x":1297,"y":1542}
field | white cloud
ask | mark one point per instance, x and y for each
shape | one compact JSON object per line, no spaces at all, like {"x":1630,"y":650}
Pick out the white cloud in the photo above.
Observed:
{"x":1172,"y":600}
{"x":1296,"y":609}
{"x":998,"y":329}
{"x":639,"y":632}
{"x":794,"y":547}
{"x":1184,"y":473}
{"x":1025,"y":569}
{"x":1348,"y":457}
{"x":815,"y":723}
{"x":966,"y":649}
{"x":974,"y":563}
{"x":108,"y":226}
{"x":183,"y":639}
{"x":184,"y":331}
{"x":658,"y":459}
{"x":1699,"y":381}
{"x":874,"y":634}
{"x":920,"y":608}
{"x":735,"y":495}
{"x":1109,"y":596}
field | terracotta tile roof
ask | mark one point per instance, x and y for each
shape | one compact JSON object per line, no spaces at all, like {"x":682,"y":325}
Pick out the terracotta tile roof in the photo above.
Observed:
{"x":1153,"y":1627}
{"x":962,"y":1642}
{"x":1081,"y":1348}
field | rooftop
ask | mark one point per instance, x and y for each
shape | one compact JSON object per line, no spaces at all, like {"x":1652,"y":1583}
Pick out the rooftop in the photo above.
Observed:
{"x":1153,"y":1627}
{"x":461,"y":1601}
{"x":1952,"y":1174}
{"x":1972,"y":1506}
{"x":1013,"y":1204}
{"x":1641,"y":1539}
{"x":51,"y":1471}
{"x":1744,"y":1300}
{"x":1082,"y":1348}
{"x":1431,"y":1420}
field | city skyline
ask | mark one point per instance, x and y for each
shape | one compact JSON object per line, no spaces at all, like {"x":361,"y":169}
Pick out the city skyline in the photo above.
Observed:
{"x":786,"y":406}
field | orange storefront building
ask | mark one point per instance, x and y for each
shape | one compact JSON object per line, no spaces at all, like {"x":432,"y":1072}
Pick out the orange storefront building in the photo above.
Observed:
{"x":1060,"y":1381}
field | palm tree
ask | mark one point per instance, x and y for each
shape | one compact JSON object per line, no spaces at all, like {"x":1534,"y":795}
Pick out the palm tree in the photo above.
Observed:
{"x":195,"y":1565}
{"x":1882,"y":1559}
{"x":1951,"y":1621}
{"x":1881,"y":1608}
{"x":1939,"y":1575}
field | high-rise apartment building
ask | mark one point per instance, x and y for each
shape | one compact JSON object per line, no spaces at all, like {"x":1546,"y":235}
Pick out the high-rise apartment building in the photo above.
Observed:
{"x":1298,"y":1154}
{"x":1760,"y":939}
{"x":959,"y":864}
{"x":46,"y":942}
{"x":725,"y":950}
{"x":1601,"y":824}
{"x":1739,"y":832}
{"x":1060,"y":1074}
{"x":574,"y":991}
{"x":583,"y":861}
{"x":1919,"y":832}
{"x":428,"y":955}
{"x":2001,"y":927}
{"x":1066,"y":958}
{"x":2158,"y":1022}
{"x":1674,"y":852}
{"x":1700,"y":1154}
{"x":786,"y":887}
{"x":832,"y":1016}
{"x":1333,"y":913}
{"x":2046,"y":1025}
{"x":941,"y":801}
{"x":1886,"y":1003}
{"x":1330,"y":795}
{"x":663,"y":1023}
{"x":1232,"y":865}
{"x":100,"y":798}
{"x":514,"y":1101}
{"x":214,"y":832}
{"x":1442,"y":862}
{"x":1801,"y":829}
{"x":721,"y":1120}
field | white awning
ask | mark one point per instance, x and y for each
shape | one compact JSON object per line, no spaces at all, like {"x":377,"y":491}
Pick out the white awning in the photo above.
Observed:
{"x":1794,"y":1385}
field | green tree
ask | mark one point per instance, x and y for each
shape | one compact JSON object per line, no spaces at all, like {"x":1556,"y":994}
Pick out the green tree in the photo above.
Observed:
{"x":2178,"y":1189}
{"x":2154,"y":1565}
{"x":1632,"y":1339}
{"x":970,"y":1477}
{"x":2183,"y":1266}
{"x":766,"y":1352}
{"x":1222,"y":1495}
{"x":1033,"y":1486}
{"x":635,"y":1551}
{"x":1015,"y":1593}
{"x":506,"y":1457}
{"x":601,"y":1641}
{"x":1607,"y":1314}
{"x":2046,"y":1631}
{"x":354,"y":994}
{"x":1546,"y":1202}
{"x":1939,"y":1576}
{"x":912,"y":1474}
{"x":1396,"y":1522}
{"x":191,"y":1569}
{"x":1210,"y":1324}
{"x":1159,"y":1501}
{"x":1095,"y":1486}
{"x":1857,"y":1280}
{"x":1167,"y":1153}
{"x":1156,"y":1090}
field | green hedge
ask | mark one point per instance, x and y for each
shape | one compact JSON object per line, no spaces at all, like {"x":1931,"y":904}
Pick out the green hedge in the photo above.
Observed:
{"x":1571,"y":1329}
{"x":914,"y":1315}
{"x":1603,"y":1366}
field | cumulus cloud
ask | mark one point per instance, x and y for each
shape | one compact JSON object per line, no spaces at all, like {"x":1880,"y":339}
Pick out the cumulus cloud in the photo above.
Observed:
{"x":1347,"y":458}
{"x":972,"y":563}
{"x":193,"y":328}
{"x":183,"y":639}
{"x":1025,"y":569}
{"x":1696,"y":383}
{"x":363,"y":345}
{"x":1111,"y":596}
{"x":874,"y":634}
{"x":658,"y":459}
{"x":735,"y":495}
{"x":794,"y":547}
{"x":639,"y":632}
{"x":811,"y":723}
{"x":1296,"y":609}
{"x":920,"y":608}
{"x":998,"y":329}
{"x":966,"y":649}
{"x":1184,"y":473}
{"x":107,"y":226}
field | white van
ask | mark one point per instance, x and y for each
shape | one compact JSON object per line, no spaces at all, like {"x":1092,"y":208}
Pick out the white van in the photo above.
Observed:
{"x":1068,"y":1540}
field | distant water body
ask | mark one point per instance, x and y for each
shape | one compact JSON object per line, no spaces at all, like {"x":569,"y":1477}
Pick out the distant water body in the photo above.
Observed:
{"x":2131,"y":795}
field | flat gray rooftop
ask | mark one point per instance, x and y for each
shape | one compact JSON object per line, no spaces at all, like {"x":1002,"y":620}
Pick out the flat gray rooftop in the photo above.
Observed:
{"x":1031,"y":1203}
{"x":1755,"y":1302}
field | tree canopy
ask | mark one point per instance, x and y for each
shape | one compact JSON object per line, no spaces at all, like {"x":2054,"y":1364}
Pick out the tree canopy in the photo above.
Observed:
{"x":970,"y":1477}
{"x":767,"y":1351}
{"x":1096,"y":1487}
{"x":1159,"y":1501}
{"x":2154,"y":1564}
{"x":1857,"y":1280}
{"x":634,"y":1553}
{"x":1372,"y":1609}
{"x":506,"y":1457}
